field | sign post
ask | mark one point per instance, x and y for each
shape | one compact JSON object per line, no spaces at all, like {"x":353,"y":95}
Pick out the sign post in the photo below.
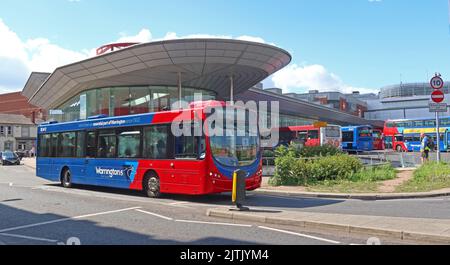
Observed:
{"x":437,"y":83}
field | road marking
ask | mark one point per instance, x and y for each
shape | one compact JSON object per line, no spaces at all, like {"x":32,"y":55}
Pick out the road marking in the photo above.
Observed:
{"x":29,"y":237}
{"x":97,"y":194}
{"x":155,"y":214}
{"x":212,"y":223}
{"x":178,"y":203}
{"x":65,"y":219}
{"x":103,"y":213}
{"x":301,"y":235}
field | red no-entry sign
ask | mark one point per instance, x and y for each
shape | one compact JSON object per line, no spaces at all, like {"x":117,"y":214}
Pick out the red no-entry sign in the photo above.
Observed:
{"x":437,"y":96}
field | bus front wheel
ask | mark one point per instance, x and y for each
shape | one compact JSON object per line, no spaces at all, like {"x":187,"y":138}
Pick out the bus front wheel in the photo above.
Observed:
{"x":66,"y":179}
{"x":399,"y":148}
{"x":152,"y":187}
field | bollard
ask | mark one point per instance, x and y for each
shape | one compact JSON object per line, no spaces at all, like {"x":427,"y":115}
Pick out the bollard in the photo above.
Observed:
{"x":239,"y":190}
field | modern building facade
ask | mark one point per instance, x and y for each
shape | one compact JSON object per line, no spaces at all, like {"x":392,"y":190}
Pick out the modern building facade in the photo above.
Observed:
{"x":152,"y":76}
{"x":336,"y":100}
{"x":404,"y":101}
{"x":17,"y":133}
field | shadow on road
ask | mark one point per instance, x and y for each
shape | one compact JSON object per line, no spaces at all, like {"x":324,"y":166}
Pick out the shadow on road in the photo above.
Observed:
{"x":221,"y":199}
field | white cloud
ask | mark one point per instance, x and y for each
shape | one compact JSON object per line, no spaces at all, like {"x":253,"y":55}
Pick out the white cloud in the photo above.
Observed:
{"x":143,"y":36}
{"x":19,"y":57}
{"x":300,"y":79}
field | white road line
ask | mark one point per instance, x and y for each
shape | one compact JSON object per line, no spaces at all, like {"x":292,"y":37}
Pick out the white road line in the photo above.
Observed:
{"x":301,"y":235}
{"x":103,"y":213}
{"x":212,"y":223}
{"x":65,"y":219}
{"x":178,"y":203}
{"x":30,"y":237}
{"x":104,"y":196}
{"x":155,"y":214}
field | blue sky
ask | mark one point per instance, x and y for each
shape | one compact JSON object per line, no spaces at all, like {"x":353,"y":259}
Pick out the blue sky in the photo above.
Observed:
{"x":336,"y":45}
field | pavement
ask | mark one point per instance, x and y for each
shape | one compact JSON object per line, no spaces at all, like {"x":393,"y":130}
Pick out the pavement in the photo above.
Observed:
{"x":357,"y":196}
{"x":29,"y":162}
{"x":436,"y":231}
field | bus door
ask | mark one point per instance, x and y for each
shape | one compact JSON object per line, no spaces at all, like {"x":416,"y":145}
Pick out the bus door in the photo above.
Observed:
{"x":90,"y":156}
{"x":117,"y":156}
{"x":388,"y":142}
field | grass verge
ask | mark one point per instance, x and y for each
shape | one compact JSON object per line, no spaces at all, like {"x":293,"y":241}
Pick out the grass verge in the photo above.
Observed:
{"x":429,"y":177}
{"x":363,"y":181}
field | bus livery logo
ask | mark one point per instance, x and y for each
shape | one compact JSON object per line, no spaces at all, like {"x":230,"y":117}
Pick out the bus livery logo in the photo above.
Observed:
{"x":110,"y":172}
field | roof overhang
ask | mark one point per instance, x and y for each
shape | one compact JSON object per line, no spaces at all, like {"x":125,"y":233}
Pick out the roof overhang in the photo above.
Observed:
{"x":202,"y":63}
{"x":33,"y":83}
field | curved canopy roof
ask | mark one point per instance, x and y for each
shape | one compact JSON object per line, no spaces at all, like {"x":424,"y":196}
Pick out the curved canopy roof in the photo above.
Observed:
{"x":203,"y":63}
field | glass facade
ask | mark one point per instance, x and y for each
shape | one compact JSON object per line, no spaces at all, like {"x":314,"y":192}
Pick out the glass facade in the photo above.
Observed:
{"x":119,"y":101}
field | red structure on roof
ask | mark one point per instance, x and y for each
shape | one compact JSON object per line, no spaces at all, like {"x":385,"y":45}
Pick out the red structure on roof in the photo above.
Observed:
{"x":114,"y":46}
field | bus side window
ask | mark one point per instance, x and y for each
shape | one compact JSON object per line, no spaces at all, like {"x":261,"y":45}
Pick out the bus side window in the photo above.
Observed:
{"x":107,"y":144}
{"x":130,"y":143}
{"x":54,"y":145}
{"x":156,"y":142}
{"x":80,"y":152}
{"x":44,"y":145}
{"x":91,"y":147}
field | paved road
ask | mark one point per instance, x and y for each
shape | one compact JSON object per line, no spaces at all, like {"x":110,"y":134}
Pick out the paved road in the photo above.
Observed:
{"x":34,"y":211}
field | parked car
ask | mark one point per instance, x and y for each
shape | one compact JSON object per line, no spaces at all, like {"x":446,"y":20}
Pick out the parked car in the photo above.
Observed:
{"x":9,"y":158}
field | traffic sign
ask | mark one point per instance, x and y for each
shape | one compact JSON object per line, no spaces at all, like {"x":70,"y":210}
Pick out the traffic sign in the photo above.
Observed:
{"x":437,"y":96}
{"x":320,"y":124}
{"x":437,"y":82}
{"x":438,"y":107}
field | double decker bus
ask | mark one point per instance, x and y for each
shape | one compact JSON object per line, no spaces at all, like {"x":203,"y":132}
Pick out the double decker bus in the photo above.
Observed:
{"x":310,"y":135}
{"x":141,"y":152}
{"x":404,"y":135}
{"x":357,"y":138}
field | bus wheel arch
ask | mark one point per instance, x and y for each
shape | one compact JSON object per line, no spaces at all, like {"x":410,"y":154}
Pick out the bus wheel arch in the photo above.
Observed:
{"x":66,"y":177}
{"x":151,"y":184}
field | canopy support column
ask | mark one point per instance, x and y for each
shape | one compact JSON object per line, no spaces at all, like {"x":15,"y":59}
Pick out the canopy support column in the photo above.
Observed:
{"x":232,"y":90}
{"x":180,"y":92}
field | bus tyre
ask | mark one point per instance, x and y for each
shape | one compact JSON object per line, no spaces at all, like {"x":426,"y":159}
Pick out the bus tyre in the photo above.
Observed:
{"x":66,"y":179}
{"x":399,"y":149}
{"x":152,"y":187}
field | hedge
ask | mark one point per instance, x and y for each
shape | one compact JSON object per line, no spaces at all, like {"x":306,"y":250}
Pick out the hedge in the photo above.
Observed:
{"x":291,"y":170}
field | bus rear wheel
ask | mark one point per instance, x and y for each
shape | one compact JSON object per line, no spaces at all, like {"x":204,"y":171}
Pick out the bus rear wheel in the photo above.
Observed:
{"x":152,"y":186}
{"x":399,"y":149}
{"x":66,"y":179}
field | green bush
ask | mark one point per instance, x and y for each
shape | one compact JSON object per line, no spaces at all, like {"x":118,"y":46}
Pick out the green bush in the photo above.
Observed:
{"x":291,"y":170}
{"x":314,"y":151}
{"x":334,"y":167}
{"x":284,"y":161}
{"x":373,"y":174}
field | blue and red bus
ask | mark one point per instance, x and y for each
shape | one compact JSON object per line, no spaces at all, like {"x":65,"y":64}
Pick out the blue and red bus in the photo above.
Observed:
{"x":357,"y":138}
{"x":141,"y":152}
{"x":404,"y":135}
